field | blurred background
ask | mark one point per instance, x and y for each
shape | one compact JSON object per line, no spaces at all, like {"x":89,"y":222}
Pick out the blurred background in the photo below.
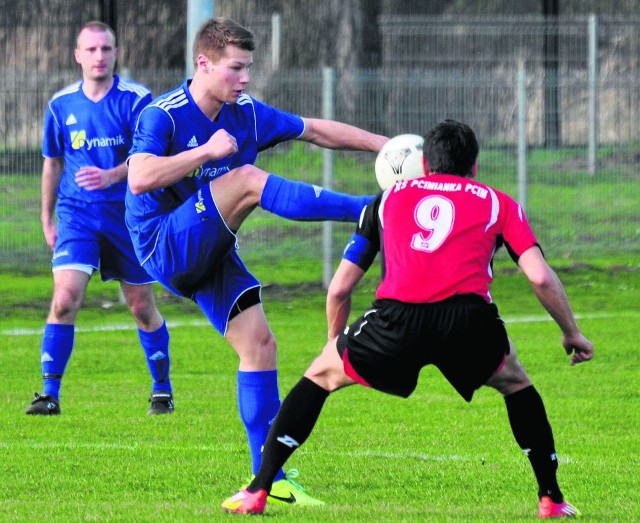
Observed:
{"x":551,"y":88}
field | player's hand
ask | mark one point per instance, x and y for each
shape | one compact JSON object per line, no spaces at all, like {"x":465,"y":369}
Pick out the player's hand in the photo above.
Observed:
{"x":93,"y":178}
{"x":579,"y":347}
{"x":50,"y":231}
{"x":221,"y":144}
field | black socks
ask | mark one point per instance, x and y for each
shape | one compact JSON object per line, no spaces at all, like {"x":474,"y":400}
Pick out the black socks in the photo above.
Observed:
{"x":533,"y":433}
{"x":291,"y":428}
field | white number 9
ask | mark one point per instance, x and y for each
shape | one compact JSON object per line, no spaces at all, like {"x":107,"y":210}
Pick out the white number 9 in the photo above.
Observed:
{"x":435,"y":215}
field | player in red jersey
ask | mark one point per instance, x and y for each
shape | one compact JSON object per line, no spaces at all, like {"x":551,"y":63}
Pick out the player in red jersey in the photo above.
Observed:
{"x":437,"y":236}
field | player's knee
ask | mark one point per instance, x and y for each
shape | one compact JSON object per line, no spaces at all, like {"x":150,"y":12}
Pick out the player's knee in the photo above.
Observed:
{"x":142,"y":305}
{"x":329,"y":377}
{"x":259,"y":353}
{"x":145,"y":314}
{"x":329,"y":382}
{"x":268,"y":345}
{"x":141,"y":314}
{"x":251,"y":179}
{"x":509,"y":380}
{"x":65,"y":303}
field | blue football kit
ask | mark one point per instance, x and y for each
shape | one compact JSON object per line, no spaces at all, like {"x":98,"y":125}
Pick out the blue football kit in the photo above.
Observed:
{"x":182,"y":240}
{"x":91,"y":230}
{"x":187,"y":246}
{"x":91,"y":227}
{"x":179,"y":236}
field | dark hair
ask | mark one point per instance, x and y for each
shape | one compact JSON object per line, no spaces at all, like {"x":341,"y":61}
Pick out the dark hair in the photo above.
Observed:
{"x":217,"y":33}
{"x":451,"y":148}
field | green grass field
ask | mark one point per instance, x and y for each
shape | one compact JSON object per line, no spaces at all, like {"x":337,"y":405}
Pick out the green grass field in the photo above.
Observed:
{"x":372,"y":457}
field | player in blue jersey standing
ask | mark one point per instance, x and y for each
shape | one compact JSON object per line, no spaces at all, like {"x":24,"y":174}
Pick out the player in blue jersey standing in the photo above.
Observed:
{"x":191,"y":185}
{"x":88,"y":128}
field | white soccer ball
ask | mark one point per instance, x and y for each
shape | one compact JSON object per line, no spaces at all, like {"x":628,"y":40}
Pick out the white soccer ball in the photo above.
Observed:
{"x":399,"y":159}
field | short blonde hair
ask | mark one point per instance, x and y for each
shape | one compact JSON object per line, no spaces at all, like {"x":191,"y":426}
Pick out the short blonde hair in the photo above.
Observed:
{"x":217,"y":33}
{"x":96,"y":25}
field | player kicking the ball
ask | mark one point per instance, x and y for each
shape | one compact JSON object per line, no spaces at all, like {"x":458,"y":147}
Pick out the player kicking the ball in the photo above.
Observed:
{"x":447,"y":320}
{"x":192,"y":184}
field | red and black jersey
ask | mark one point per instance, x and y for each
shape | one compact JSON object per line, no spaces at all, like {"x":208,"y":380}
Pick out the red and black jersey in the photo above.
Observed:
{"x":437,"y":236}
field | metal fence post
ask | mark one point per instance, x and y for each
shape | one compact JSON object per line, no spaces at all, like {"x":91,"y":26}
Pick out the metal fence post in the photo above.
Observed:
{"x":276,"y":40}
{"x":522,"y":137}
{"x":328,"y":110}
{"x":197,"y":12}
{"x":593,"y":94}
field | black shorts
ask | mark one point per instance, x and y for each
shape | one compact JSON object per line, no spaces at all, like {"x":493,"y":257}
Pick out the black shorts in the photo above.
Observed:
{"x":463,"y":336}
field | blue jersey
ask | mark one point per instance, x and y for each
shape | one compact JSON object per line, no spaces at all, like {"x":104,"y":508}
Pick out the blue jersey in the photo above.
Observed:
{"x":174,"y":123}
{"x":85,"y":133}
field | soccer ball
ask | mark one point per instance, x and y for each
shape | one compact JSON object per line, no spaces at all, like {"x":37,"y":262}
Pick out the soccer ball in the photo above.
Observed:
{"x":399,"y":159}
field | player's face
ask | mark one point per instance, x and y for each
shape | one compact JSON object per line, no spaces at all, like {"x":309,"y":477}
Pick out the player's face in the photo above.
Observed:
{"x":229,"y":75}
{"x":96,"y":53}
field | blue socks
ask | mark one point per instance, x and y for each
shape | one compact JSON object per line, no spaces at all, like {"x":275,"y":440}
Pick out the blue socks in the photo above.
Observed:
{"x":305,"y":202}
{"x":57,"y":346}
{"x":258,"y":404}
{"x":55,"y":351}
{"x":156,"y":349}
{"x":258,"y":395}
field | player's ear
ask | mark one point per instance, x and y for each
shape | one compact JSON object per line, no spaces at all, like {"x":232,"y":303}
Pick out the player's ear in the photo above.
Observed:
{"x":425,"y":166}
{"x":474,"y":170}
{"x":202,"y":62}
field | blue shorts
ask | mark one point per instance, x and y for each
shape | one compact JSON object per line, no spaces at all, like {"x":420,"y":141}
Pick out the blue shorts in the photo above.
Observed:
{"x":94,"y":235}
{"x":195,"y":257}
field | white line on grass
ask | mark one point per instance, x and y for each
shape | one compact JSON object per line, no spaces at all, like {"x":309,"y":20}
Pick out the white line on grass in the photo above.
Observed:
{"x":70,"y":445}
{"x":204,"y":323}
{"x":105,"y":328}
{"x":419,"y":456}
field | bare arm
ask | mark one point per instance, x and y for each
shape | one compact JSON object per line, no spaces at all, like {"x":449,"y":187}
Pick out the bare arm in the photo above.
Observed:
{"x":549,"y":290}
{"x":51,"y":172}
{"x":337,"y":135}
{"x":150,"y":173}
{"x":339,"y":295}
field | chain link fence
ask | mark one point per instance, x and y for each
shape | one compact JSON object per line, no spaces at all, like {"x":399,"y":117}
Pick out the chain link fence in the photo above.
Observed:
{"x":578,"y":85}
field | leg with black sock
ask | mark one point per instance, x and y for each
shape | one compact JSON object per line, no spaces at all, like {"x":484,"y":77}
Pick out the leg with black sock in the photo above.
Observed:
{"x":532,"y":431}
{"x":295,"y":420}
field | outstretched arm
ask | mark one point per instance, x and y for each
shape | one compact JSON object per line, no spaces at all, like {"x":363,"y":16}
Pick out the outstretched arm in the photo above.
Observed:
{"x":338,"y":135}
{"x":549,"y":290}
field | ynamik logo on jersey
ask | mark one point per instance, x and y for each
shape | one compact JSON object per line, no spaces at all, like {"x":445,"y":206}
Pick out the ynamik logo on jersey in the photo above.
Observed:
{"x":79,"y":140}
{"x":208,"y":172}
